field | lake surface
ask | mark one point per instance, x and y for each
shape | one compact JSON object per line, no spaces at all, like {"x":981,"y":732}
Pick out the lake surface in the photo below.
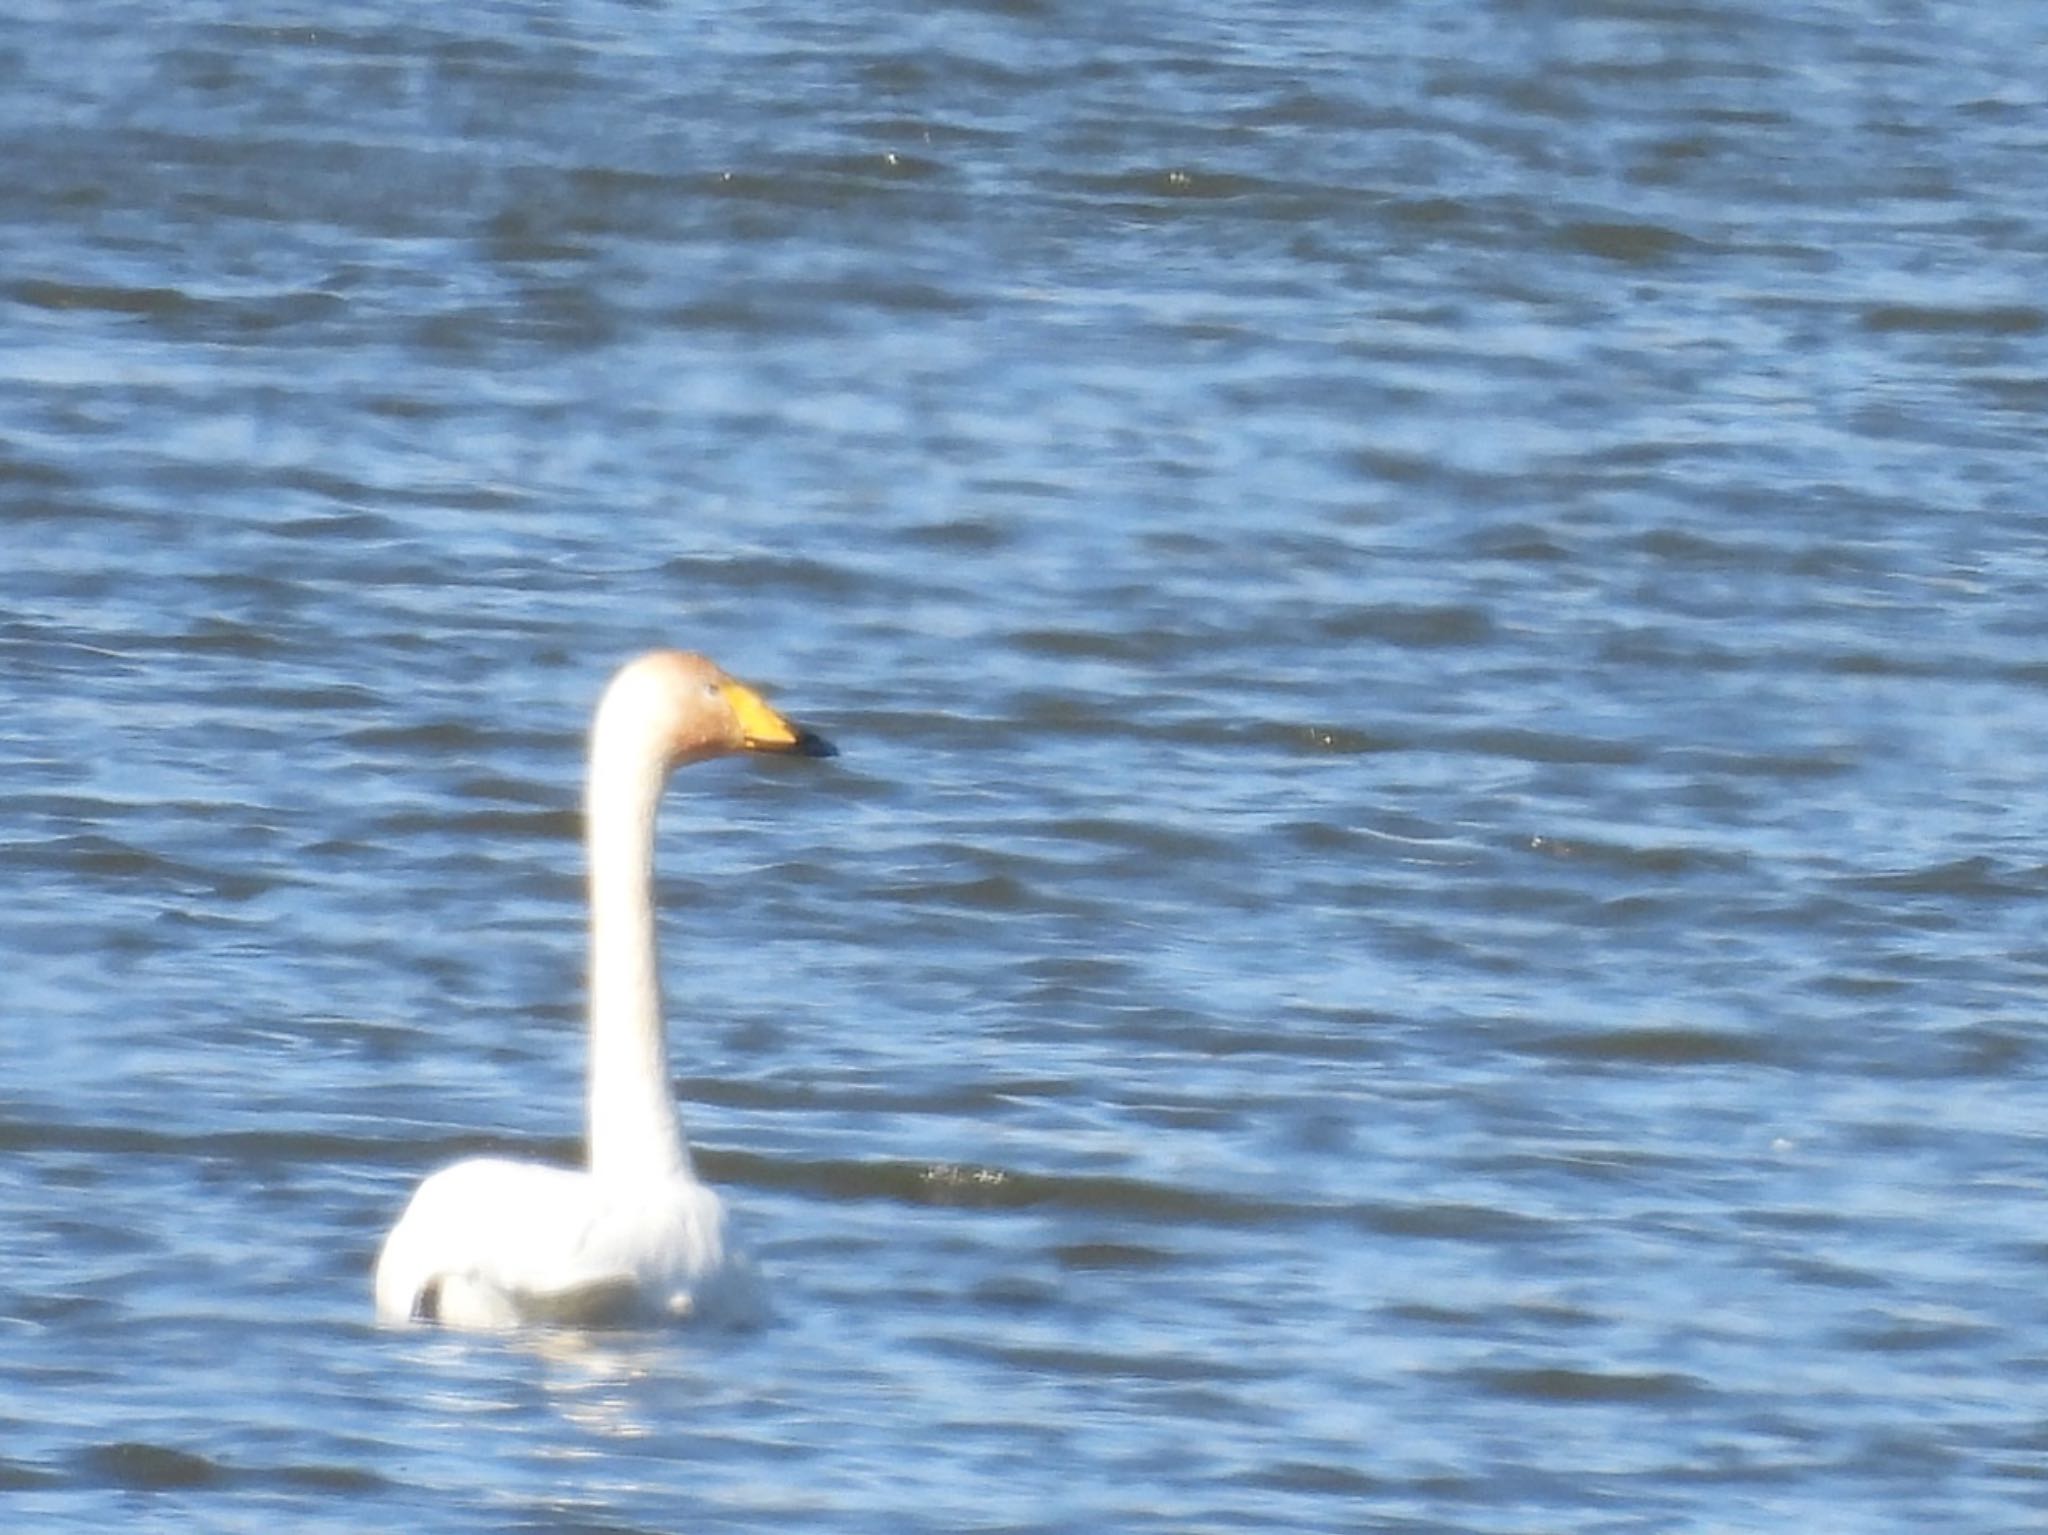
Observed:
{"x":1435,"y":912}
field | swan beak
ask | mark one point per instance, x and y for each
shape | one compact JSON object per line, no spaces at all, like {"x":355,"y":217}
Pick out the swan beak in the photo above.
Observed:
{"x":763,"y":730}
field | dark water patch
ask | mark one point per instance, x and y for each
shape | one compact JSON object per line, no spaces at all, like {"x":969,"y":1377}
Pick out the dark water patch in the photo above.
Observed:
{"x":1546,"y":1313}
{"x":281,"y":179}
{"x":1801,"y":1220}
{"x":456,"y":740}
{"x":98,"y":857}
{"x":1908,"y":1460}
{"x":953,"y":1185}
{"x":139,"y":1466}
{"x":1987,"y":1051}
{"x":1152,"y":839}
{"x":955,"y":131}
{"x":1317,"y":1478}
{"x":1564,"y":1387}
{"x":149,"y":303}
{"x":350,"y":525}
{"x":1114,"y":1256}
{"x":58,"y":1310}
{"x":1333,"y":740}
{"x":2025,"y":394}
{"x":1190,"y":1116}
{"x":400,"y":557}
{"x":557,"y":1517}
{"x":144,"y":1467}
{"x":1654,"y":1047}
{"x":1827,"y":1271}
{"x":1417,"y":471}
{"x":1119,"y":1364}
{"x":262,"y":320}
{"x":1862,"y":662}
{"x":1080,"y":973}
{"x":975,"y":1099}
{"x":1654,"y":645}
{"x":296,"y":702}
{"x":1016,"y":1293}
{"x":21,"y":1476}
{"x":1450,"y":1222}
{"x":1666,"y":862}
{"x":1855,"y":985}
{"x":1016,"y":487}
{"x":1990,"y":1049}
{"x":1893,"y":1332}
{"x":1544,"y":746}
{"x":784,"y":186}
{"x":1092,"y":644}
{"x":518,"y":791}
{"x":760,"y":572}
{"x":1436,"y":216}
{"x":970,"y":1186}
{"x":481,"y":825}
{"x":1255,"y":730}
{"x":1423,"y":627}
{"x":1989,"y":320}
{"x":1686,"y":546}
{"x":1149,"y":193}
{"x":341,"y":1480}
{"x":20,"y":472}
{"x":1630,"y":244}
{"x":559,"y":317}
{"x":961,"y":534}
{"x":1334,"y":1034}
{"x":985,"y":895}
{"x":1707,"y":763}
{"x":1976,"y":878}
{"x":1520,"y":543}
{"x":886,"y":165}
{"x":405,"y":406}
{"x":1325,"y":839}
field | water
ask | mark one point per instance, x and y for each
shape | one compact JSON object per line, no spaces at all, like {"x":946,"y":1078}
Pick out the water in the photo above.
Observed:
{"x":1432,"y":915}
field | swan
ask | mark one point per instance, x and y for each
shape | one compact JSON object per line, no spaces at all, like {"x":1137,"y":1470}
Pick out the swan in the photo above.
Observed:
{"x":634,"y":1236}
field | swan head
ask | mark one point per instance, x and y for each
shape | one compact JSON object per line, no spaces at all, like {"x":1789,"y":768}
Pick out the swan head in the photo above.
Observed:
{"x":675,"y":707}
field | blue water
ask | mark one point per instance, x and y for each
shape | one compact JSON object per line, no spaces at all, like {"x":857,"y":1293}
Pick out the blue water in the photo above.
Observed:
{"x":1432,"y":915}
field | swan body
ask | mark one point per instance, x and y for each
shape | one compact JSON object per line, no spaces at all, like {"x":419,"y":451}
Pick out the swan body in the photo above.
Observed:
{"x":633,"y":1236}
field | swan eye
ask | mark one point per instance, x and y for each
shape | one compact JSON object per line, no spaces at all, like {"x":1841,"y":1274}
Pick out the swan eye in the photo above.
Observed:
{"x":712,"y":690}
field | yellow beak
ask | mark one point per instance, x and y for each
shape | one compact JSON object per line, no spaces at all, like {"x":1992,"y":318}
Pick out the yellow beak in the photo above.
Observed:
{"x":764,"y":730}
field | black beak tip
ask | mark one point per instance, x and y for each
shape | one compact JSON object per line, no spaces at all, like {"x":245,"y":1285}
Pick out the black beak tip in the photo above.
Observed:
{"x":810,"y":744}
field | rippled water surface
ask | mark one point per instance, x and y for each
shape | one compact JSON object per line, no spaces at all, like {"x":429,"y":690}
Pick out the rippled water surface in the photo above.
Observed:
{"x":1433,"y":913}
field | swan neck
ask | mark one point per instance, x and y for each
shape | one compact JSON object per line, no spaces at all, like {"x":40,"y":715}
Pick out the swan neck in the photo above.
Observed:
{"x":631,"y":1123}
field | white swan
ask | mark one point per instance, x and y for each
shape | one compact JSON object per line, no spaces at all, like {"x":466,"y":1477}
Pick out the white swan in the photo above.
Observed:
{"x":491,"y":1242}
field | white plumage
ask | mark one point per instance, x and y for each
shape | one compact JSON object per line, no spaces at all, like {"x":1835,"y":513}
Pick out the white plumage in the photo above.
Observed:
{"x":634,"y":1236}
